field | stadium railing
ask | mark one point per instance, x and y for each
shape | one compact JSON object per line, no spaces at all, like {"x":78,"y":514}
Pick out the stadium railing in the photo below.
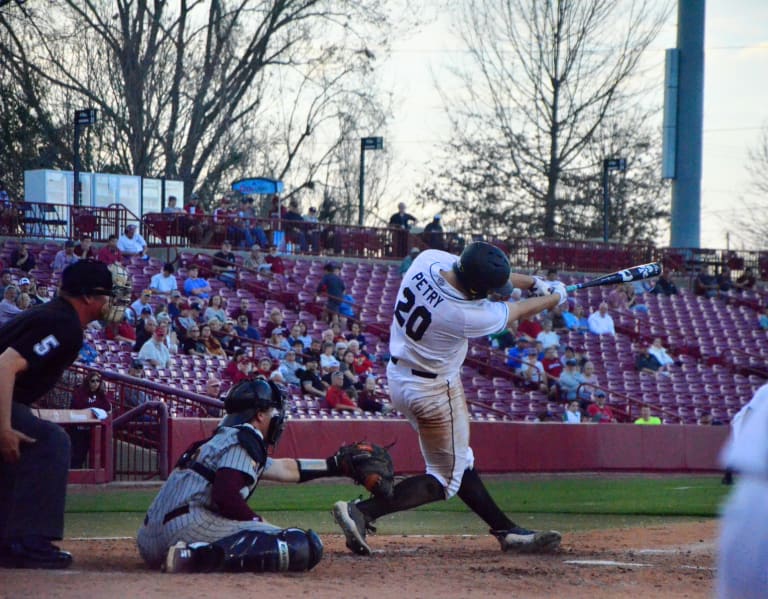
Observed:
{"x":141,"y":418}
{"x":48,"y":221}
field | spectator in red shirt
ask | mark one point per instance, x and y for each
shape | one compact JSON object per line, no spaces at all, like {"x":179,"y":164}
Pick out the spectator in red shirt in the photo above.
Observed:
{"x":529,"y":328}
{"x":599,"y":411}
{"x":553,"y":367}
{"x":275,"y":261}
{"x":120,"y":331}
{"x":361,"y":364}
{"x":276,"y":321}
{"x":90,"y":394}
{"x":84,"y":249}
{"x":336,"y":396}
{"x":193,"y":205}
{"x":551,"y":363}
{"x":264,"y":367}
{"x":109,"y":254}
{"x":239,"y":368}
{"x":369,"y":397}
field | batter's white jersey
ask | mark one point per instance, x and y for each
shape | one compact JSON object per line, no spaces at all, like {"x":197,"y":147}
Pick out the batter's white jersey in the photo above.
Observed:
{"x":747,"y":448}
{"x":743,"y":548}
{"x":428,"y":343}
{"x":432,"y":320}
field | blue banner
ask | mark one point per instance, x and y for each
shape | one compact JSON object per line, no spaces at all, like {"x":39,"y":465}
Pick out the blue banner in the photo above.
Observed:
{"x":258,"y":186}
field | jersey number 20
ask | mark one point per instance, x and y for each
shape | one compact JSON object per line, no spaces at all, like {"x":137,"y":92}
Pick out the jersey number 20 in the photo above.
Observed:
{"x":418,"y":319}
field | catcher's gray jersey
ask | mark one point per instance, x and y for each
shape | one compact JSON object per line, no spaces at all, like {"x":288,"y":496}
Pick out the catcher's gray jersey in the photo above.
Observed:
{"x":184,"y":510}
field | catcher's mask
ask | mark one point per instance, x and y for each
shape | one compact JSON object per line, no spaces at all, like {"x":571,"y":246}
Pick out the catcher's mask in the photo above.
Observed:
{"x":247,"y":398}
{"x":91,"y":277}
{"x":481,"y":268}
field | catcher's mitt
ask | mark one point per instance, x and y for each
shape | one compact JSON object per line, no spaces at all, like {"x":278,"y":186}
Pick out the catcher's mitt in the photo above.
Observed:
{"x":369,"y":465}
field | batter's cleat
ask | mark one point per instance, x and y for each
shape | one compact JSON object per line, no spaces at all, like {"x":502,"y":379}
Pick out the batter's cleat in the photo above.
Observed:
{"x":180,"y":559}
{"x":523,"y":540}
{"x":353,"y":525}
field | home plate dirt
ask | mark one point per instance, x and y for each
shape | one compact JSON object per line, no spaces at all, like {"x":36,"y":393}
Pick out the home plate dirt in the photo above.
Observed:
{"x":674,"y":560}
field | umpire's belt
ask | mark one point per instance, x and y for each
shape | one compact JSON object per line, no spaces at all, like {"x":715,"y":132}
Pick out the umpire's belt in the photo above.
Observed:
{"x":421,"y":373}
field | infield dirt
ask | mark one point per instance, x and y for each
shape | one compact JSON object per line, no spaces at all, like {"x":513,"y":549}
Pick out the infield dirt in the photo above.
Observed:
{"x":675,"y":560}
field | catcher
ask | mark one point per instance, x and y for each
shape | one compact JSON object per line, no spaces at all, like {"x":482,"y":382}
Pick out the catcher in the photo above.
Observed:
{"x":200,"y":520}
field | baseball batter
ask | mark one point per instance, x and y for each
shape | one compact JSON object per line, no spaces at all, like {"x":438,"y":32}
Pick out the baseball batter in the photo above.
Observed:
{"x":35,"y":349}
{"x":441,"y":303}
{"x":743,"y":558}
{"x":201,"y":522}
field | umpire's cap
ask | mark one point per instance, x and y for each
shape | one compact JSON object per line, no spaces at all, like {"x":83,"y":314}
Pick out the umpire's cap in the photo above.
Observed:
{"x":87,"y":277}
{"x":480,"y":268}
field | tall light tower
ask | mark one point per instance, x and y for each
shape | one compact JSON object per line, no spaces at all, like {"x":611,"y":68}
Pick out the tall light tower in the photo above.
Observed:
{"x":83,"y":118}
{"x":683,"y":123}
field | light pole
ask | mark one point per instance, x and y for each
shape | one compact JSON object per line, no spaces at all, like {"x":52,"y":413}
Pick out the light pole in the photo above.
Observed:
{"x":83,"y":118}
{"x":609,"y":164}
{"x":366,"y":143}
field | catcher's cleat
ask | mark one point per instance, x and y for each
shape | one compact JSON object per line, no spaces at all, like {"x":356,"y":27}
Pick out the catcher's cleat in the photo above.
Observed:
{"x":523,"y":540}
{"x":353,"y":525}
{"x":179,"y":559}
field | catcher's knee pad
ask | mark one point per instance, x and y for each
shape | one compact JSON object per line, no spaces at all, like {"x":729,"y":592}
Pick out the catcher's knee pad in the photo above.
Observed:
{"x":291,"y":549}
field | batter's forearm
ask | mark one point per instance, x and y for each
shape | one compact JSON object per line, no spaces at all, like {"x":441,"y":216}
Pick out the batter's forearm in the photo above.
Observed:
{"x":531,"y":307}
{"x":520,"y":281}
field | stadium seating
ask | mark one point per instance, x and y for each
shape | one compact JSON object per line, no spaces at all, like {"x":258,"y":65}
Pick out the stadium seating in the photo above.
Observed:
{"x":722,"y":360}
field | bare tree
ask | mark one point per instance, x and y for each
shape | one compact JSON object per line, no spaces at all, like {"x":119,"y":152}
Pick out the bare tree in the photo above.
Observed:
{"x":547,"y":80}
{"x":196,"y":90}
{"x":751,"y":222}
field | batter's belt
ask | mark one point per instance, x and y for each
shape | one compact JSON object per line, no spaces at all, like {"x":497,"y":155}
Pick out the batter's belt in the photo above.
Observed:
{"x":421,"y":373}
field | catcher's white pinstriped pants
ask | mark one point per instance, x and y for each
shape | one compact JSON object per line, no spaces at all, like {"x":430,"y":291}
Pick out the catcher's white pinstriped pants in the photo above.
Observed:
{"x":198,"y":525}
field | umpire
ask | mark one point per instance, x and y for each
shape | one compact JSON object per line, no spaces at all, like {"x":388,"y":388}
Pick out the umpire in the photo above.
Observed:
{"x":35,"y":349}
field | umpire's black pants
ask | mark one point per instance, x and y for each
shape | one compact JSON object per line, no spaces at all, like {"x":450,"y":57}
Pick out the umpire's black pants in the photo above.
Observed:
{"x":33,"y":490}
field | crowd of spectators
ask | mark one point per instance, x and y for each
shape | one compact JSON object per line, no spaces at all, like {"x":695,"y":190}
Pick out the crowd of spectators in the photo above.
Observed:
{"x":182,"y":312}
{"x":534,"y":351}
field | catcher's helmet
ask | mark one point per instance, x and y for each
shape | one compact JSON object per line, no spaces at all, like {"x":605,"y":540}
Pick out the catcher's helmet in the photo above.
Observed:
{"x":481,"y":267}
{"x":246,"y":399}
{"x":91,"y":277}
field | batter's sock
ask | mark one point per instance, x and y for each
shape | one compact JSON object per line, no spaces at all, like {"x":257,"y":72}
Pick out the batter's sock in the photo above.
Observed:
{"x":409,"y":493}
{"x":473,"y":492}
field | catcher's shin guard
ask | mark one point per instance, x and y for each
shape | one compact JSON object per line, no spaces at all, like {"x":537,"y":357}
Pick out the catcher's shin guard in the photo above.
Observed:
{"x":289,"y":550}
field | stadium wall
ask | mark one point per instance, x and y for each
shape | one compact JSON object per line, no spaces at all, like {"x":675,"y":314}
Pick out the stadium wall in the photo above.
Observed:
{"x":504,"y":447}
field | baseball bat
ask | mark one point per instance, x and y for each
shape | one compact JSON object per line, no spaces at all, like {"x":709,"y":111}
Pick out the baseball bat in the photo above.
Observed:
{"x":633,"y":273}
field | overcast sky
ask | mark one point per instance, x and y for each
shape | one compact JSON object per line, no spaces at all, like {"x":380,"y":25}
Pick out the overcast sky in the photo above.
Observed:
{"x":735,"y":106}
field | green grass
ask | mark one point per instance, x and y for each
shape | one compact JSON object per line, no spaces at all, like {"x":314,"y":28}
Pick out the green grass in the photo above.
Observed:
{"x":565,"y":503}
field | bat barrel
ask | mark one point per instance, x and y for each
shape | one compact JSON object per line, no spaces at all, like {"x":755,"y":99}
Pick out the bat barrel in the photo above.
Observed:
{"x":633,"y":273}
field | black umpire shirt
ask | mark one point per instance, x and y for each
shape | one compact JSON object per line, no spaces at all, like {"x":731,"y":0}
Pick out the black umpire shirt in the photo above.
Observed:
{"x":48,"y":337}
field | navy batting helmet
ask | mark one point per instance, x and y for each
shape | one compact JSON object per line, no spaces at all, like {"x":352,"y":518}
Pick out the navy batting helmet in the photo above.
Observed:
{"x":481,"y":267}
{"x":248,"y":398}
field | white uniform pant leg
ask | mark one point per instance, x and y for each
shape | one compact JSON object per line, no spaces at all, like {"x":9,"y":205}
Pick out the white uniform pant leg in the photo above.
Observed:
{"x":437,"y":410}
{"x":742,"y":569}
{"x":199,"y":525}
